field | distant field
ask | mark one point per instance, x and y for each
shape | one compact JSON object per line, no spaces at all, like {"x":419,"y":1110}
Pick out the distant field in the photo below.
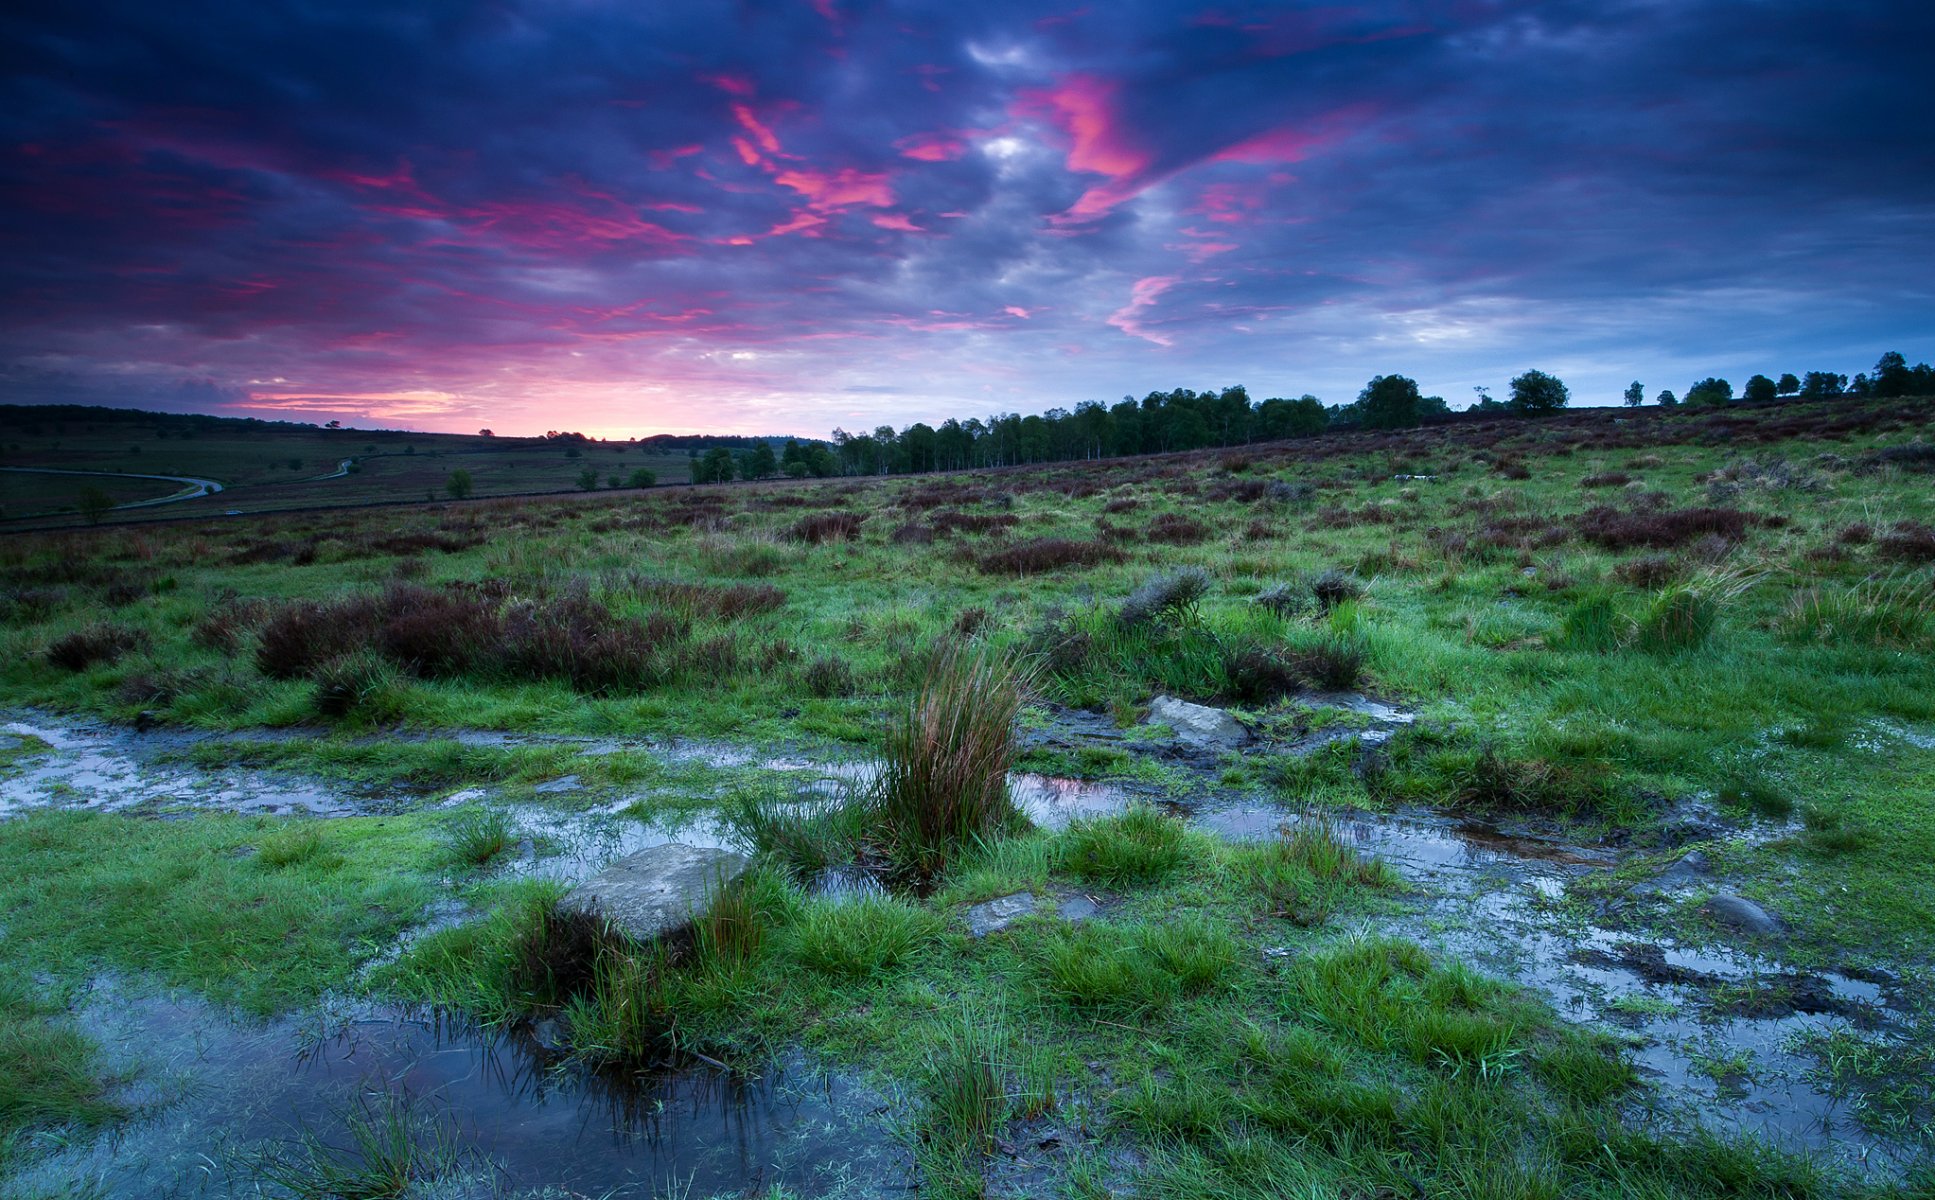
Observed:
{"x":285,"y":468}
{"x":62,"y":493}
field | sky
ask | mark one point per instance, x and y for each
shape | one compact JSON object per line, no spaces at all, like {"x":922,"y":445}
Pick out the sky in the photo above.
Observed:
{"x":633,"y":217}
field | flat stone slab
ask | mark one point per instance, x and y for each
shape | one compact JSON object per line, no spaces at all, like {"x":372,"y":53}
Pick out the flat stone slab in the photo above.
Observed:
{"x":559,"y":786}
{"x":994,"y":915}
{"x":1198,"y":725}
{"x":654,"y":892}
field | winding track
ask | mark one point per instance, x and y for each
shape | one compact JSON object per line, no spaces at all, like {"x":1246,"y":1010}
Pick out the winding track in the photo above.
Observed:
{"x":192,"y":488}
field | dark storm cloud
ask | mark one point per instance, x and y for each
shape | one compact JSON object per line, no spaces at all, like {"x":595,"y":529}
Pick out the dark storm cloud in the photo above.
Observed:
{"x":611,"y":208}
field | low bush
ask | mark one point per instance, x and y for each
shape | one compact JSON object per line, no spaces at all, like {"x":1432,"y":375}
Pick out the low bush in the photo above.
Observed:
{"x":827,"y":676}
{"x":1175,"y":529}
{"x":100,"y":643}
{"x":821,"y":528}
{"x":1041,"y":555}
{"x":1175,"y":594}
{"x":1614,"y":529}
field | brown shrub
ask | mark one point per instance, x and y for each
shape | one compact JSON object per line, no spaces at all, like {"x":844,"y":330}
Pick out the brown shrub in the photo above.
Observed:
{"x":1606,"y":479}
{"x":1046,"y":554}
{"x":955,"y":521}
{"x":1619,"y":530}
{"x":96,"y":644}
{"x":827,"y":527}
{"x":1908,"y":541}
{"x":1649,"y":571}
{"x":1175,"y":529}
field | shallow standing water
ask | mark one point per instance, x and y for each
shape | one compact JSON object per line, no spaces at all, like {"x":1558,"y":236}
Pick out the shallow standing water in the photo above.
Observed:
{"x":221,"y":1093}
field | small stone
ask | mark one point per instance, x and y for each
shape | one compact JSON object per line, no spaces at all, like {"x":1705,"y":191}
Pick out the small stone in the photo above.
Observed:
{"x":1198,"y":725}
{"x":1277,"y":953}
{"x":653,"y":892}
{"x":1077,"y":908}
{"x":999,"y":913}
{"x":547,"y":1033}
{"x":1687,"y":869}
{"x":1742,"y":914}
{"x":558,"y":786}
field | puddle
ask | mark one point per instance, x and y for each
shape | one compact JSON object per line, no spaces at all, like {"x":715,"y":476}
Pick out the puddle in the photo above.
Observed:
{"x":105,"y":769}
{"x":220,"y":1093}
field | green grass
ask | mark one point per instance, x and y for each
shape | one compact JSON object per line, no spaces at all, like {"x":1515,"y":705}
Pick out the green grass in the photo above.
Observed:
{"x":1560,"y":682}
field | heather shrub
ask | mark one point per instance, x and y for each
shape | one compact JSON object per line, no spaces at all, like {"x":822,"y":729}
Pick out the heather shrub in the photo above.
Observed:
{"x":101,"y":643}
{"x":1046,"y":554}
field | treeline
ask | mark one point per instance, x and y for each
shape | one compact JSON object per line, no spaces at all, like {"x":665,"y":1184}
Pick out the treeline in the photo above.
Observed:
{"x":1185,"y":419}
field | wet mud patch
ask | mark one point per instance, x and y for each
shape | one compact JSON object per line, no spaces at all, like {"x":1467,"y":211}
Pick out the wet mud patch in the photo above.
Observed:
{"x":219,"y":1099}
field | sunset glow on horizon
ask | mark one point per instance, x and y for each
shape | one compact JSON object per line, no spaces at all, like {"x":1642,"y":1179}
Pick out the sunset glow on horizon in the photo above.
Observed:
{"x":628,"y":219}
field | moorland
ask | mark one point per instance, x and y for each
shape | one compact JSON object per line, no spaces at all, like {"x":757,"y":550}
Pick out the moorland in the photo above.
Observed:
{"x":1562,"y":825}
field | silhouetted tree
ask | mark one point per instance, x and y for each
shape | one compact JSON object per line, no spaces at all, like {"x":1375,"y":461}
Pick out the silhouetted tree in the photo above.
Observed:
{"x":1635,"y":394}
{"x":1667,"y":399}
{"x":1823,"y":385}
{"x":1788,"y":385}
{"x":1536,"y":393}
{"x":1710,"y":391}
{"x":1389,"y":402}
{"x":1759,"y":390}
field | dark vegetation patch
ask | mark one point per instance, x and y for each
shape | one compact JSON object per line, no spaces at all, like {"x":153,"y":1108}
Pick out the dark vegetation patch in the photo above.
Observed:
{"x":821,"y":528}
{"x":1907,"y":541}
{"x":1041,"y":555}
{"x":100,"y":643}
{"x":484,"y":631}
{"x":1175,"y":529}
{"x":1616,"y":529}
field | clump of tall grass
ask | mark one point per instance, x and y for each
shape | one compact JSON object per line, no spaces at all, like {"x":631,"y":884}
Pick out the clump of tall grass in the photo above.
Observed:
{"x":963,"y":1101}
{"x":1173,"y":595}
{"x":860,"y":938}
{"x":1137,"y":846}
{"x":944,"y":784}
{"x":1897,"y":611}
{"x":1304,"y":876}
{"x":359,"y":684}
{"x":480,"y":834}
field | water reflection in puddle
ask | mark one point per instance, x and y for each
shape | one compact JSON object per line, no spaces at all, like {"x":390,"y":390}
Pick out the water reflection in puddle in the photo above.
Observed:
{"x":222,"y":1092}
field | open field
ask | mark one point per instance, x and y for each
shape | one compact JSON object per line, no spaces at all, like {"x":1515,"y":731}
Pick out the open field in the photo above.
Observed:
{"x":1578,"y":837}
{"x":264,"y":468}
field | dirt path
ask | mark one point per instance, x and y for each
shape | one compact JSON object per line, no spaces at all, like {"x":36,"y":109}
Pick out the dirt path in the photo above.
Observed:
{"x":192,"y":488}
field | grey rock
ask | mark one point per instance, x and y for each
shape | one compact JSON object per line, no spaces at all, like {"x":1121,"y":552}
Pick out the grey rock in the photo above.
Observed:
{"x":653,"y":892}
{"x":548,"y":1034}
{"x":1077,"y":908}
{"x":1198,"y":725}
{"x":558,"y":786}
{"x":1742,"y":914}
{"x":1688,"y":869}
{"x":999,"y":913}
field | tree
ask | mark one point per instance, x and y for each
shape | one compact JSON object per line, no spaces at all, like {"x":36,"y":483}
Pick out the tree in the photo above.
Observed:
{"x":612,"y":480}
{"x":714,"y":467}
{"x":458,"y":484}
{"x":1890,"y":376}
{"x":485,"y":433}
{"x":1389,"y":402}
{"x":1823,"y":385}
{"x":1788,"y":385}
{"x":94,"y":504}
{"x":1710,"y":391}
{"x":1535,"y":393}
{"x":1635,"y":394}
{"x":1667,"y":399}
{"x":1759,"y":390}
{"x":588,"y":479}
{"x":642,"y":478}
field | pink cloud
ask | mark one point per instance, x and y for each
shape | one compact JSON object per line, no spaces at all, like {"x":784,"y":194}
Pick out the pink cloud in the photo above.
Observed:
{"x":843,"y":188}
{"x":931,"y":147}
{"x":1142,"y":296}
{"x":897,"y":221}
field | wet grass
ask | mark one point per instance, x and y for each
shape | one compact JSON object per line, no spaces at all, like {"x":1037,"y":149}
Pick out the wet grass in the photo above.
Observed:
{"x":1586,"y":662}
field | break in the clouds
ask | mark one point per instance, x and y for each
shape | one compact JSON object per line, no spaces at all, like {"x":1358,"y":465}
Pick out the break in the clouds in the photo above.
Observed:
{"x":627,"y":218}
